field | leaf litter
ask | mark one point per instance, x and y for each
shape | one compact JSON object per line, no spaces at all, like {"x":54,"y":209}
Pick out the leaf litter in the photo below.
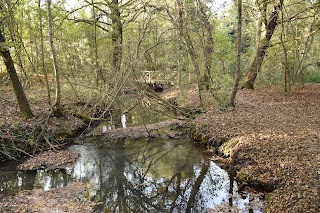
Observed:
{"x":278,"y":143}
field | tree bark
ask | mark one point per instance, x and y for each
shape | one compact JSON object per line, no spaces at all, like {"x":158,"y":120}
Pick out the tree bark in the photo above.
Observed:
{"x":208,"y":49}
{"x":95,"y":45}
{"x":44,"y":70}
{"x":238,"y":69}
{"x":20,"y":95}
{"x":263,"y":46}
{"x":116,"y":36}
{"x":57,"y":110}
{"x":189,"y":46}
{"x":285,"y":52}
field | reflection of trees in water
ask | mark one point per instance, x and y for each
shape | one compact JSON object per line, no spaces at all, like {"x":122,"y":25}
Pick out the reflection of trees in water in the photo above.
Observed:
{"x":130,"y":185}
{"x":135,"y":176}
{"x":12,"y":182}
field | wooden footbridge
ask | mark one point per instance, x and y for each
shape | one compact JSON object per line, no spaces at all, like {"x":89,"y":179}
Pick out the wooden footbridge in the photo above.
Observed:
{"x":159,"y":79}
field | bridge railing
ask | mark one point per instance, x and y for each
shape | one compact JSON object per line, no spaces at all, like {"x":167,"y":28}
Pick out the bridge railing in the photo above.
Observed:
{"x":158,"y":76}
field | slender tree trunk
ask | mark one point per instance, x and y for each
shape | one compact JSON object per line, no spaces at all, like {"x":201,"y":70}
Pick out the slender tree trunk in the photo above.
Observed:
{"x":44,"y":69}
{"x":16,"y":41}
{"x":189,"y":46}
{"x":306,"y":48}
{"x":285,"y":52}
{"x":20,"y":95}
{"x":238,"y":69}
{"x":116,"y":36}
{"x":57,"y":110}
{"x":179,"y":74}
{"x":95,"y":45}
{"x":257,"y":62}
{"x":208,"y":49}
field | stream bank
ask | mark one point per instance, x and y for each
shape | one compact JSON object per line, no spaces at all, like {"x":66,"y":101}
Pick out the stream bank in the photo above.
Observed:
{"x":156,"y":161}
{"x":140,"y":175}
{"x":276,"y":140}
{"x":273,"y":141}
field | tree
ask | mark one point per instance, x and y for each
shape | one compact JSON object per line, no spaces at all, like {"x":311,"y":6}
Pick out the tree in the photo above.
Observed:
{"x":204,"y":16}
{"x":44,"y":69}
{"x":183,"y":25}
{"x":186,"y":39}
{"x":238,"y":71}
{"x":116,"y":34}
{"x":20,"y":95}
{"x":57,"y":109}
{"x":285,"y":53}
{"x":95,"y":45}
{"x":263,"y":45}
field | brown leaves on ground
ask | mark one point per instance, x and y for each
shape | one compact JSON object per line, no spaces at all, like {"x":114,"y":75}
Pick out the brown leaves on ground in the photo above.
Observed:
{"x":279,"y":143}
{"x":66,"y":199}
{"x":188,"y":97}
{"x":49,"y":159}
{"x":21,"y":136}
{"x":9,"y":110}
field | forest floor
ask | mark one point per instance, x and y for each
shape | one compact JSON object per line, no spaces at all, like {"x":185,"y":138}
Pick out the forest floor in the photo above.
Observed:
{"x":277,"y":134}
{"x":65,"y":199}
{"x":278,"y":143}
{"x":17,"y":134}
{"x":42,"y":132}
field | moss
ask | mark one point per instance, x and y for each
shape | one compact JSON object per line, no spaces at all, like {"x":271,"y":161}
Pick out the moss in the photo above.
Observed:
{"x":242,"y":177}
{"x":246,"y":180}
{"x":69,"y":133}
{"x":227,"y":148}
{"x":241,"y":187}
{"x":64,"y":134}
{"x":203,"y":125}
{"x":267,"y":200}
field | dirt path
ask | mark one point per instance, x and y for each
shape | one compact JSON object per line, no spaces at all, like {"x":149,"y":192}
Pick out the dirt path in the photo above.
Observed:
{"x":278,"y":139}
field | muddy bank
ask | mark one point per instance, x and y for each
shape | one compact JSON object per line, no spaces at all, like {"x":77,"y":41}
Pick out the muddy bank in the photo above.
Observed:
{"x":273,"y":140}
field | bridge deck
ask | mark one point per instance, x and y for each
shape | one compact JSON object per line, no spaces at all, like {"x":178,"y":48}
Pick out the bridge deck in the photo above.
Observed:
{"x":158,"y":77}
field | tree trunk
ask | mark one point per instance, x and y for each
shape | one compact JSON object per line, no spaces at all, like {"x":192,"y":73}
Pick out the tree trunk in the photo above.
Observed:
{"x":285,"y":52}
{"x":116,"y":36}
{"x":20,"y":95}
{"x":44,"y":70}
{"x":95,"y":45}
{"x":57,"y":110}
{"x":208,"y":49}
{"x":189,"y":46}
{"x":17,"y":42}
{"x":257,"y":62}
{"x":238,"y":69}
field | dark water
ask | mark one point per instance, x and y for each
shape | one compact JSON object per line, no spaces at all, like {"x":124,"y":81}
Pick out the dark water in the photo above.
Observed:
{"x":160,"y":175}
{"x":131,"y":111}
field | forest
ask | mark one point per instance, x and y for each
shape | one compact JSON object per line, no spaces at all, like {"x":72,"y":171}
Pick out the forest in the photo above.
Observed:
{"x":137,"y":105}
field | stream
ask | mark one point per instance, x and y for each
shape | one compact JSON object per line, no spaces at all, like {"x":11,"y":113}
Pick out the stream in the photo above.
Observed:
{"x":141,"y":175}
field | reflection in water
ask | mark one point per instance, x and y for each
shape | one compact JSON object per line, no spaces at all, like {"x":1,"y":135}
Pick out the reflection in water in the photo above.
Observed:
{"x":160,"y":175}
{"x":137,"y":115}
